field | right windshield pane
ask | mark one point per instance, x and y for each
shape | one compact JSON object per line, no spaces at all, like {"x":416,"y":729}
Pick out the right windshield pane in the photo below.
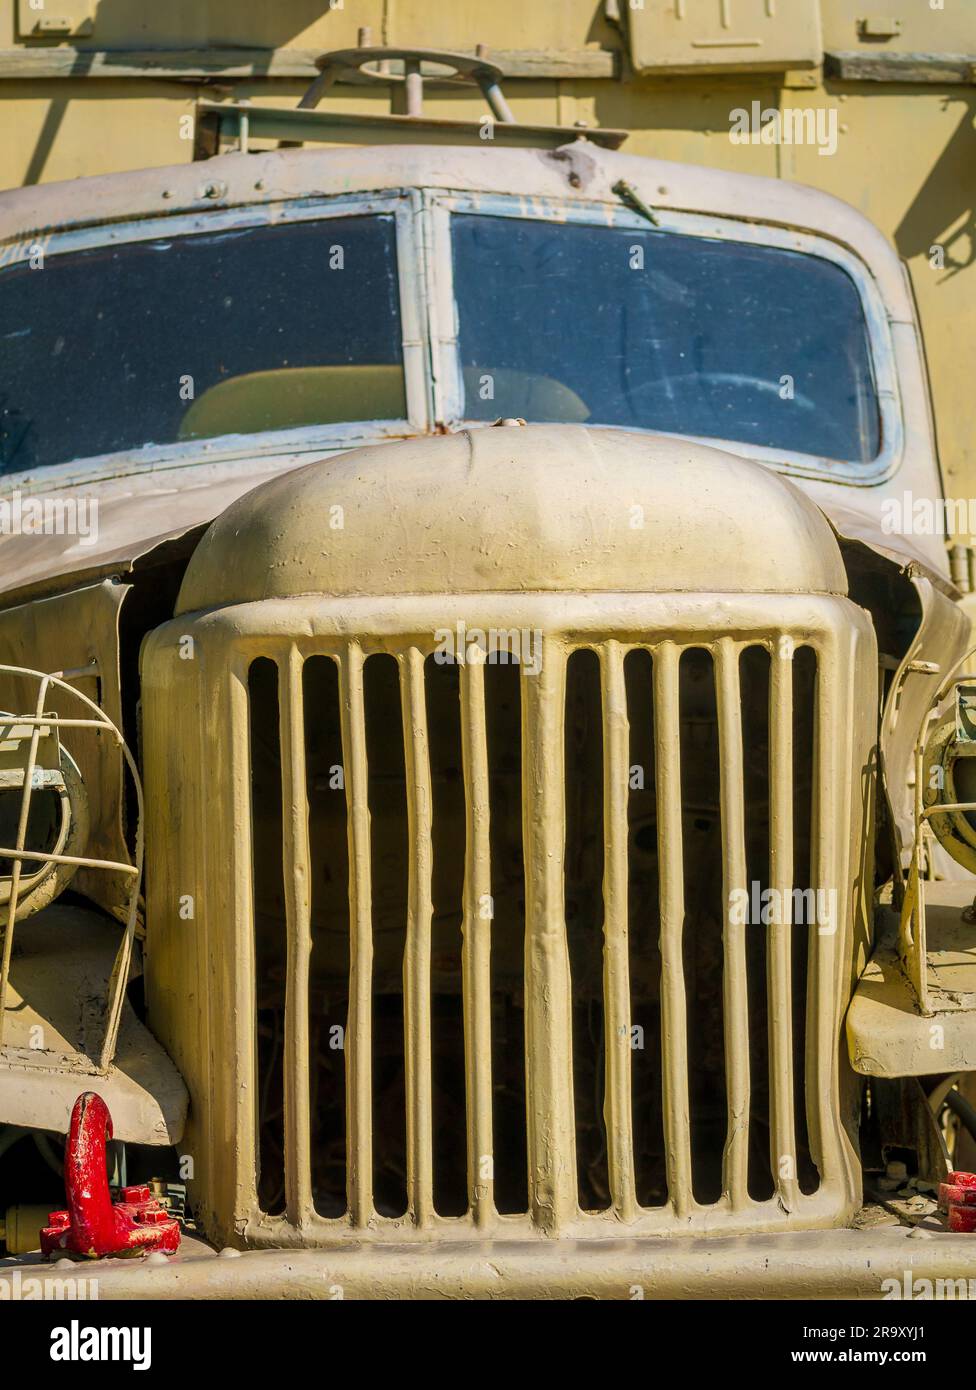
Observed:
{"x":659,"y":331}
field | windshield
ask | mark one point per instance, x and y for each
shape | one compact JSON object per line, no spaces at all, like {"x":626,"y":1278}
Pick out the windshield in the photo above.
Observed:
{"x":183,"y":337}
{"x":655,"y":330}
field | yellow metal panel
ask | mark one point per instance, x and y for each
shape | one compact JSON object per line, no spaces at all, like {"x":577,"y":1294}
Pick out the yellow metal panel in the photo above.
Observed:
{"x":61,"y":19}
{"x":879,"y":27}
{"x":62,"y":134}
{"x":723,"y":35}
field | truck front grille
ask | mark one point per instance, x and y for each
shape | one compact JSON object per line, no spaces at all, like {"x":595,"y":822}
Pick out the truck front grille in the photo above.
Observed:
{"x":497,"y":984}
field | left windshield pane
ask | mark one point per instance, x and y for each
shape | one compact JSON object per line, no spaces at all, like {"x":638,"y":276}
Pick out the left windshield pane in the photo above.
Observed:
{"x":186,"y":337}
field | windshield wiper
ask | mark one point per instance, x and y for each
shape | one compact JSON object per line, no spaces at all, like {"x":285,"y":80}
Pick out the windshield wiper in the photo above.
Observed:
{"x":627,"y":193}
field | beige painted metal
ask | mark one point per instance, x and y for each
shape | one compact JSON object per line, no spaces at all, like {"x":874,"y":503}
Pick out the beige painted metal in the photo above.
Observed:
{"x":424,"y":517}
{"x":939,"y":642}
{"x":933,"y":818}
{"x":79,"y":630}
{"x":616,"y":961}
{"x":888,"y":1034}
{"x":475,"y":935}
{"x":188,"y":483}
{"x":613,"y":604}
{"x":753,"y":34}
{"x":572,"y":564}
{"x":55,"y":1033}
{"x":809,"y":1264}
{"x":904,"y":104}
{"x":94,"y":719}
{"x":416,"y":964}
{"x":297,"y":886}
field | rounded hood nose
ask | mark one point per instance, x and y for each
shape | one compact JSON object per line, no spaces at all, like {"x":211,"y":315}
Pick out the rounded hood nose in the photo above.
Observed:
{"x":535,"y":507}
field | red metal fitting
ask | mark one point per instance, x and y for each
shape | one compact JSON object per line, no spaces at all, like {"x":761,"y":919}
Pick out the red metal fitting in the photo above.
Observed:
{"x":958,"y":1187}
{"x":957,"y":1197}
{"x":94,"y":1225}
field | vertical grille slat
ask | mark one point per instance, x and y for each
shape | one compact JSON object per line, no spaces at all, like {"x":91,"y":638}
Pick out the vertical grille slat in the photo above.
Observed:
{"x":674,"y":1022}
{"x":616,"y":965}
{"x":825,"y":869}
{"x":298,"y":1190}
{"x":782,"y":1135}
{"x":359,"y":1133}
{"x":548,"y":1006}
{"x":476,"y":943}
{"x":734,"y":879}
{"x":416,"y":965}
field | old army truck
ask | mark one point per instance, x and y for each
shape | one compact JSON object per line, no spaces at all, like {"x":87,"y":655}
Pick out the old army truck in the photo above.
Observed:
{"x":480,"y":773}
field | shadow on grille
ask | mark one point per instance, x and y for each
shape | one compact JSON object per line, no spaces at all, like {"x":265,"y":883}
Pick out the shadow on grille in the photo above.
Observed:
{"x":269,"y":929}
{"x":644,"y":938}
{"x":329,"y":962}
{"x":584,"y":922}
{"x":448,"y":1106}
{"x":389,"y":856}
{"x":805,"y":933}
{"x":503,"y":715}
{"x":754,"y":673}
{"x":701,"y":826}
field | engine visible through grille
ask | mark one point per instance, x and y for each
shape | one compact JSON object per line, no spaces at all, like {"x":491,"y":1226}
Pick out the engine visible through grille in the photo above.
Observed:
{"x":633,"y":802}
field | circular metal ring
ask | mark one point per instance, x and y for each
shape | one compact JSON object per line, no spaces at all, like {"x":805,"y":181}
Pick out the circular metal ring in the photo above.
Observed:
{"x":461,"y":66}
{"x":41,"y":887}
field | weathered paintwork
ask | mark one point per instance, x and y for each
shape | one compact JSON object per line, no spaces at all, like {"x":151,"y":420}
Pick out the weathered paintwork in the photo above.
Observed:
{"x":733,"y":555}
{"x":185,"y":484}
{"x":118,"y":93}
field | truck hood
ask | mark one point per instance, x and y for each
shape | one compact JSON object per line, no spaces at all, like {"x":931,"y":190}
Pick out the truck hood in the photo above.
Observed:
{"x":72,"y":530}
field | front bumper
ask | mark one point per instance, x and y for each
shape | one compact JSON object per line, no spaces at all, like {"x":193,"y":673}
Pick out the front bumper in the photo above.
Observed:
{"x":843,"y":1264}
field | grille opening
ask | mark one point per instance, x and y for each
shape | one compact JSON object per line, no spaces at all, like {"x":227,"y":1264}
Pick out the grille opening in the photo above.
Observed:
{"x":805,"y":934}
{"x":269,"y":929}
{"x":503,"y":719}
{"x":329,"y":905}
{"x":644,"y":953}
{"x":387,"y":800}
{"x":702,"y":946}
{"x":754,"y":674}
{"x":443,"y":702}
{"x":583,"y":872}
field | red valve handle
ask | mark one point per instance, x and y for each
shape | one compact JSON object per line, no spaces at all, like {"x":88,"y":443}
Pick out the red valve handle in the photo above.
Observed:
{"x":93,"y":1225}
